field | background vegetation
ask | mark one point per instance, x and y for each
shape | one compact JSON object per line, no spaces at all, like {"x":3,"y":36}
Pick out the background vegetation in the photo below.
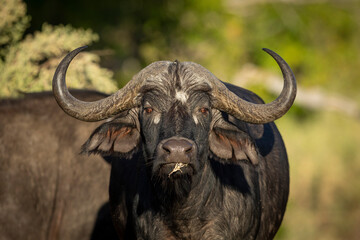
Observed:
{"x":318,"y":38}
{"x":28,"y":62}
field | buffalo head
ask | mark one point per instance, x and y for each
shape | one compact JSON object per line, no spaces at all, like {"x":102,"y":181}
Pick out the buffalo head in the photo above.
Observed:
{"x":173,"y":110}
{"x":175,"y":116}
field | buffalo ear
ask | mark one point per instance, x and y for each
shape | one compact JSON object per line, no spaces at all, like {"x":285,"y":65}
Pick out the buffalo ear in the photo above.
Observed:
{"x":229,"y":143}
{"x":112,"y":139}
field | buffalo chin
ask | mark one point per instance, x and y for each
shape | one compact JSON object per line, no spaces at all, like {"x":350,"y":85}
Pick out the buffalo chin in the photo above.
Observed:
{"x":172,"y":187}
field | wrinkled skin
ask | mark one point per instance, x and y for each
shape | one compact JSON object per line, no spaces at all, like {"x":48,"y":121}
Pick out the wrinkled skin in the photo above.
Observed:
{"x":234,"y":179}
{"x":47,"y":189}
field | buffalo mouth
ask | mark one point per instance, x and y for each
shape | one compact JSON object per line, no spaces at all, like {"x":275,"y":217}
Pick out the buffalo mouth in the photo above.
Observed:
{"x":175,"y":170}
{"x":173,"y":181}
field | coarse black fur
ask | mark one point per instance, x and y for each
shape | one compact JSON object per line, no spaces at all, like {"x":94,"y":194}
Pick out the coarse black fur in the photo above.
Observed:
{"x":234,"y":184}
{"x":47,"y":189}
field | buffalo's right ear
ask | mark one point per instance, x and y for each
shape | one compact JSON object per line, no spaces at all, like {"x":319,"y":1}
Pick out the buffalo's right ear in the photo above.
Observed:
{"x":229,"y":142}
{"x":118,"y":137}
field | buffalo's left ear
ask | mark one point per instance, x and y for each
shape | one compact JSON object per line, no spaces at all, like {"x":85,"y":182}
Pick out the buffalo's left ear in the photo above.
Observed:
{"x":230,"y":143}
{"x":118,"y":137}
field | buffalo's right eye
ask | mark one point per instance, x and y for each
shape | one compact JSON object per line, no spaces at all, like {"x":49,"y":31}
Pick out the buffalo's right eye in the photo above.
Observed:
{"x":204,"y":110}
{"x":148,"y":110}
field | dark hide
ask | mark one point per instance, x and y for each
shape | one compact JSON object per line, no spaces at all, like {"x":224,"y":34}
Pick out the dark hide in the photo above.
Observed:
{"x":234,"y":179}
{"x":47,"y":189}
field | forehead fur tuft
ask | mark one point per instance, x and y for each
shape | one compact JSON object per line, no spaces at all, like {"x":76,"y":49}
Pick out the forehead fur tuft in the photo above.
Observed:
{"x":175,"y":80}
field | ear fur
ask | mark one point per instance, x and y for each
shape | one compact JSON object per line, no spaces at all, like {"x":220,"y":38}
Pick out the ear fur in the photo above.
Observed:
{"x":228,"y":142}
{"x":117,"y":137}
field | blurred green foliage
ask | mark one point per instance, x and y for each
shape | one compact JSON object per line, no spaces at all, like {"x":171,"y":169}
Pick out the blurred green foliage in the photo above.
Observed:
{"x":319,"y":39}
{"x":28,"y":63}
{"x":13,"y":22}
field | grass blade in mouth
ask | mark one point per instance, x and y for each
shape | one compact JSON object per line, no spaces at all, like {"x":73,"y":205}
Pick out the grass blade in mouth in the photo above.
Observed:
{"x":177,"y":167}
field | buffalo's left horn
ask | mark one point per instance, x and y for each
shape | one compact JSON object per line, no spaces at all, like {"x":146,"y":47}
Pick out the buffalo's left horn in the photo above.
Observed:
{"x":227,"y":101}
{"x":123,"y":99}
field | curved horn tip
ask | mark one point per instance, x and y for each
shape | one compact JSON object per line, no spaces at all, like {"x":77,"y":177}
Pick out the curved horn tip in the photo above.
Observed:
{"x":77,"y":50}
{"x":68,"y":58}
{"x":81,"y":48}
{"x":270,"y":52}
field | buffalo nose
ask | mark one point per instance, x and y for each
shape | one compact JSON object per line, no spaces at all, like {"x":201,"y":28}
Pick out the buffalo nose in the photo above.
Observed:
{"x":178,"y":149}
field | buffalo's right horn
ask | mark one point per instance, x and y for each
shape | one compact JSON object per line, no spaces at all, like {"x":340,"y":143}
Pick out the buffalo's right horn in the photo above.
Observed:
{"x":123,"y":99}
{"x":227,"y":101}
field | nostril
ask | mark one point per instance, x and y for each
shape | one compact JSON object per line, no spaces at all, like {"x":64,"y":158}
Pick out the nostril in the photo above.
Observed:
{"x":189,"y":149}
{"x":166,"y":149}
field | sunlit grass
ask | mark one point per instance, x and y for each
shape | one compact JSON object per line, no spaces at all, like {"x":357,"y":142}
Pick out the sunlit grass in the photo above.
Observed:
{"x":324,"y":160}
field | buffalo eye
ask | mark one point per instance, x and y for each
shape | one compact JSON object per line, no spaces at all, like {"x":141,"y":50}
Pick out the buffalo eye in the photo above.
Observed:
{"x":148,"y":110}
{"x":204,"y":110}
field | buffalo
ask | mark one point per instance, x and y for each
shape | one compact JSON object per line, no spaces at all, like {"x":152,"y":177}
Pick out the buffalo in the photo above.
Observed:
{"x":47,"y":189}
{"x":192,"y":157}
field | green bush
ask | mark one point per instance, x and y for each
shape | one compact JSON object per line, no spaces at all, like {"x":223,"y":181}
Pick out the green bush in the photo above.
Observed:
{"x":27,"y":63}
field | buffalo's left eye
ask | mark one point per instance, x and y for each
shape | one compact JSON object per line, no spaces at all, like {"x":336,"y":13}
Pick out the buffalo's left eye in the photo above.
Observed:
{"x":148,"y":110}
{"x":204,"y":110}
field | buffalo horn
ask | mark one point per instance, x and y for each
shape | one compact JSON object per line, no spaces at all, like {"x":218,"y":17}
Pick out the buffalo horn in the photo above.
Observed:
{"x":123,"y":99}
{"x":227,"y":101}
